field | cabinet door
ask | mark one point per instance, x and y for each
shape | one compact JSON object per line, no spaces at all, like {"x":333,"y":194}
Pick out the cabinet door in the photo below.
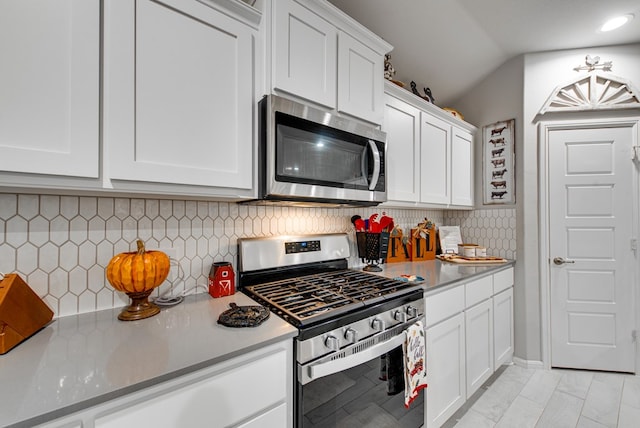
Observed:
{"x":402,"y":125}
{"x":304,"y":53}
{"x":445,"y":343}
{"x":479,"y":344}
{"x":222,"y":398}
{"x":178,"y":94}
{"x":49,"y":102}
{"x":360,"y":82}
{"x":435,"y":160}
{"x":276,"y":417}
{"x":503,"y":327}
{"x":461,"y":168}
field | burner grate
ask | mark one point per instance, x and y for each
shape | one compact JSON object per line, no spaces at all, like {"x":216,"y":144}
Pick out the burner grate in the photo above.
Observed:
{"x":310,"y":296}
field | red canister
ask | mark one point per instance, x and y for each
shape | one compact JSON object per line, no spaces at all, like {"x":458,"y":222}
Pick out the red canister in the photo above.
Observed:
{"x":221,"y":280}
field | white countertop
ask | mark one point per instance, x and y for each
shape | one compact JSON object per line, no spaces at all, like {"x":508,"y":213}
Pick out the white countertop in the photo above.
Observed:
{"x":438,"y":274}
{"x":82,"y":360}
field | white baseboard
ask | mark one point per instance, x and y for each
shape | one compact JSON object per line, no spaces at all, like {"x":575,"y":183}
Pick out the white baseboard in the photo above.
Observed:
{"x":528,"y":364}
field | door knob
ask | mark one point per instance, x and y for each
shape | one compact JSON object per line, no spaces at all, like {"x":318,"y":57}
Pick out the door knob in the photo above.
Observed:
{"x":561,"y":261}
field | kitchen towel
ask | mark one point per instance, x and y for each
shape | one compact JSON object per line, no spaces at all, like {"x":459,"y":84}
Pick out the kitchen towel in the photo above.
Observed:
{"x":415,"y":366}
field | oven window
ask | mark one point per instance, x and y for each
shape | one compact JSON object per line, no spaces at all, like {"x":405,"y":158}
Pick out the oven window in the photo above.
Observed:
{"x":360,"y":397}
{"x":310,"y":153}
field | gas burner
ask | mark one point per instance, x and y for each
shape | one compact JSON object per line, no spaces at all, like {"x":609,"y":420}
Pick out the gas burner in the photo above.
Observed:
{"x":310,"y":298}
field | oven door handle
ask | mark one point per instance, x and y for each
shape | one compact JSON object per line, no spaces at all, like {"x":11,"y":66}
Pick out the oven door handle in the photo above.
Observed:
{"x":330,"y":367}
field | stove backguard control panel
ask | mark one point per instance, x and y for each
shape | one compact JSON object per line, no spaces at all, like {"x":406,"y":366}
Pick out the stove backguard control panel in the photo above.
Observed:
{"x":301,"y":246}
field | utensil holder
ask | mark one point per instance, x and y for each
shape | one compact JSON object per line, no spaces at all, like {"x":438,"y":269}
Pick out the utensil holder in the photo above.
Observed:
{"x":372,"y":248}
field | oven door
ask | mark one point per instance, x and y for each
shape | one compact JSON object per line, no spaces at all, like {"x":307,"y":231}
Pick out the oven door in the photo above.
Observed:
{"x":358,"y":386}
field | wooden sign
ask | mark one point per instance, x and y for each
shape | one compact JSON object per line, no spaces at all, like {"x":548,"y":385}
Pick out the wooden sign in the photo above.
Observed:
{"x":423,"y":248}
{"x":398,"y":251}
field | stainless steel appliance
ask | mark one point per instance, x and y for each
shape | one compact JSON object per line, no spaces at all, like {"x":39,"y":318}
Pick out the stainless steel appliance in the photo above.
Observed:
{"x":350,"y":323}
{"x":309,"y":156}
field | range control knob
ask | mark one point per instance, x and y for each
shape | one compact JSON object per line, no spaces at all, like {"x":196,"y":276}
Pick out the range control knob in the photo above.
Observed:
{"x":377,"y":324}
{"x":411,"y":311}
{"x":331,"y":342}
{"x":400,"y":316}
{"x":350,"y":335}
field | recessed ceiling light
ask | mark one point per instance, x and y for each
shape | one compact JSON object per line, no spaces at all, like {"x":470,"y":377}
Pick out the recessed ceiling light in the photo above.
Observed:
{"x":616,"y":22}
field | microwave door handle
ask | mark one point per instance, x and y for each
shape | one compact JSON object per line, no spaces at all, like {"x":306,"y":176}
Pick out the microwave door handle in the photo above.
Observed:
{"x":364,"y":166}
{"x":376,"y":165}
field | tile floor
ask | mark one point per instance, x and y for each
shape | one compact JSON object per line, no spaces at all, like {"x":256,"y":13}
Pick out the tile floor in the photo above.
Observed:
{"x":557,"y":398}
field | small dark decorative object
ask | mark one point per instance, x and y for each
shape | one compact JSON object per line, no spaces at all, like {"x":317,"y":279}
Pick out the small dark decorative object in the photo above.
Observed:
{"x":428,"y":97}
{"x":414,"y":89}
{"x":243,"y":316}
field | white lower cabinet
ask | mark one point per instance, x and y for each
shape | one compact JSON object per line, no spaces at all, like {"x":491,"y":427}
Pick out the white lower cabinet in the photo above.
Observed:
{"x":469,"y":334}
{"x":254,"y":390}
{"x":479,"y":344}
{"x":446,"y":390}
{"x":503,"y":327}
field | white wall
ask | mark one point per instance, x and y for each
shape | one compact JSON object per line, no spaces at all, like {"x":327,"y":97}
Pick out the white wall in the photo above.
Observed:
{"x":518,"y":89}
{"x":500,"y":97}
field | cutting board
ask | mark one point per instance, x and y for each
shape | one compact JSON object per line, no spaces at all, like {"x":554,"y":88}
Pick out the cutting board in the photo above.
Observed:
{"x":454,"y":258}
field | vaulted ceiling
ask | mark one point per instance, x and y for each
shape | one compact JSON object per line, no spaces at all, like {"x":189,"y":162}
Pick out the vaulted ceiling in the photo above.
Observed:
{"x":450,"y":45}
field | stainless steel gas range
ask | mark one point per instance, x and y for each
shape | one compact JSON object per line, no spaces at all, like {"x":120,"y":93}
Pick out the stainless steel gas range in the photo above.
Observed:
{"x":348,"y":369}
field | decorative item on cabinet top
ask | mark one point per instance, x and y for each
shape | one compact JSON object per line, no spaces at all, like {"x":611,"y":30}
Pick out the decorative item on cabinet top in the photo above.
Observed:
{"x":454,"y":112}
{"x":389,"y":71}
{"x":428,"y":96}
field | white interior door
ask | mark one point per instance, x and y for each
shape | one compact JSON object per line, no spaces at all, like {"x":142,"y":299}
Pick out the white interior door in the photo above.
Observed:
{"x":591,"y":212}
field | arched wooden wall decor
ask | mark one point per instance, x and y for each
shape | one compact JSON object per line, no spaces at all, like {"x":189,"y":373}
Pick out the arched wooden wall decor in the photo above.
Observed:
{"x":595,"y":91}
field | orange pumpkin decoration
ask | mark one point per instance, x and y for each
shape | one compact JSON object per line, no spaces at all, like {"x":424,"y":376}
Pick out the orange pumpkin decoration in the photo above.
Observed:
{"x":137,"y":274}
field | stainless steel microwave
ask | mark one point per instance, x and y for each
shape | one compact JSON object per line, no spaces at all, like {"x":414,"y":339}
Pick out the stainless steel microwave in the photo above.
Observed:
{"x":308,"y":156}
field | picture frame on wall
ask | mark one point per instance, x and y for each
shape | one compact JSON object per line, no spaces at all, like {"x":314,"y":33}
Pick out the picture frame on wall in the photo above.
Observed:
{"x":498,"y":163}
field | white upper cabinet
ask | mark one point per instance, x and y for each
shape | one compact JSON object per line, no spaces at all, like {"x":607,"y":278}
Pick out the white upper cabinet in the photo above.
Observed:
{"x":402,"y":125}
{"x":435,"y":159}
{"x":319,"y":54}
{"x":304,"y":52}
{"x":178,"y":94}
{"x":461,"y":167}
{"x":432,"y":149}
{"x":49,"y":87}
{"x":360,"y":79}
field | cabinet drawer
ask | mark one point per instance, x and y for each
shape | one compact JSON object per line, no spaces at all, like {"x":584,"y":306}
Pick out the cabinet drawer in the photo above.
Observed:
{"x":502,"y":280}
{"x":443,"y":305}
{"x":478,"y":290}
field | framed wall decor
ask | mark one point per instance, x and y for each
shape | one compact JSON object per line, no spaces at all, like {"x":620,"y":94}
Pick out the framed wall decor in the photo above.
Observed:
{"x":498,"y":163}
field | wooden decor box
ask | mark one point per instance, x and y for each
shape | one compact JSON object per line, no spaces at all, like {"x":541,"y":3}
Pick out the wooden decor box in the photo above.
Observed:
{"x":22,"y":312}
{"x":423,"y":248}
{"x":398,"y":250}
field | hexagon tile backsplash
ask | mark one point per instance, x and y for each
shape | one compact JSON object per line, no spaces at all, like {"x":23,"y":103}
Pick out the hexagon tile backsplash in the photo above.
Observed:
{"x":61,"y":245}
